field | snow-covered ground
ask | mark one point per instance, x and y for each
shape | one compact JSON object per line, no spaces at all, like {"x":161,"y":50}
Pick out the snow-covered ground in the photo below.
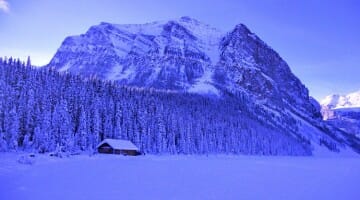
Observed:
{"x":179,"y":177}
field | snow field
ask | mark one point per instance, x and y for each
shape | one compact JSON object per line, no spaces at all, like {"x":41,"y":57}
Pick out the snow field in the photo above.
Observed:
{"x":180,"y":177}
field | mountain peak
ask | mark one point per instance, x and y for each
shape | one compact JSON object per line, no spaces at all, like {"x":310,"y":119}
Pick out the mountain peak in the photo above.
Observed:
{"x":242,"y":27}
{"x":188,"y":19}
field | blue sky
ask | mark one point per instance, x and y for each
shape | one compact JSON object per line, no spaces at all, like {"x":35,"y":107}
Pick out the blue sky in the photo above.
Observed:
{"x":318,"y":39}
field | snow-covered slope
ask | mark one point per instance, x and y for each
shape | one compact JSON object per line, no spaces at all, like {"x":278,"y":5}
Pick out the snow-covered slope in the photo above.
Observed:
{"x":186,"y":55}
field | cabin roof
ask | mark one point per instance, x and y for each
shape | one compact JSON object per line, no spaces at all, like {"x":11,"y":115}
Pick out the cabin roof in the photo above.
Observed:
{"x":119,"y":144}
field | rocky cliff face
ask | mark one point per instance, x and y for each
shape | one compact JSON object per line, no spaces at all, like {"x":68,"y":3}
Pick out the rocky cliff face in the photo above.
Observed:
{"x":251,"y":65}
{"x":186,"y":55}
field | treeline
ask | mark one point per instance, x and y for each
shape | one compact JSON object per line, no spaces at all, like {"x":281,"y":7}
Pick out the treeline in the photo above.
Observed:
{"x":43,"y":110}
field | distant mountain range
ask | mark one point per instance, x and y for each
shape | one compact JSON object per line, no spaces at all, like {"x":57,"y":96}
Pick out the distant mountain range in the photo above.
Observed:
{"x":343,"y":111}
{"x":185,"y":55}
{"x":337,"y":101}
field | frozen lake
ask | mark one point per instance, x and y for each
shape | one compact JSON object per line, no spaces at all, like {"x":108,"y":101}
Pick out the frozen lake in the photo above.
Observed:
{"x":180,"y":177}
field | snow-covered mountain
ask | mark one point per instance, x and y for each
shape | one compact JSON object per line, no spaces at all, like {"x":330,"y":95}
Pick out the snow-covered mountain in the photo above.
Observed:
{"x":343,"y":111}
{"x":176,"y":54}
{"x":334,"y":106}
{"x":186,"y":55}
{"x":336,"y":101}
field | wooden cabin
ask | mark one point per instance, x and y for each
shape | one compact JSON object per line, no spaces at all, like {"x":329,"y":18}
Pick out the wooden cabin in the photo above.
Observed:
{"x":115,"y":146}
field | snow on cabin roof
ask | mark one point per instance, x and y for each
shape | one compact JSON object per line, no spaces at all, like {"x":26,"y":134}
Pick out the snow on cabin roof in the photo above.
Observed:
{"x":119,"y":144}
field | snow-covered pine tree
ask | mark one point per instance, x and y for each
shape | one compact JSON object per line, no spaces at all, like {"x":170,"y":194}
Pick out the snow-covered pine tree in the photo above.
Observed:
{"x":62,"y":127}
{"x":160,"y":131}
{"x":12,"y":129}
{"x":82,"y":131}
{"x":28,"y":62}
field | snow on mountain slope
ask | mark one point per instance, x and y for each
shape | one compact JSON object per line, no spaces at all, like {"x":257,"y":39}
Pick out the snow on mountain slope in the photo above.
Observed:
{"x":186,"y":55}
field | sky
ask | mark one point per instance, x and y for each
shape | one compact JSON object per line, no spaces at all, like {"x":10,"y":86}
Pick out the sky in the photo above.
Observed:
{"x":320,"y":40}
